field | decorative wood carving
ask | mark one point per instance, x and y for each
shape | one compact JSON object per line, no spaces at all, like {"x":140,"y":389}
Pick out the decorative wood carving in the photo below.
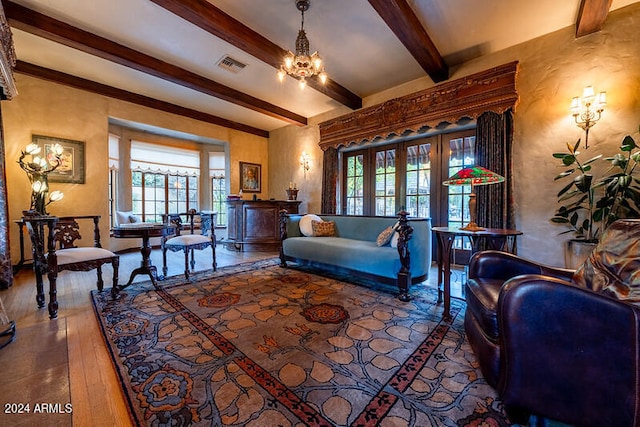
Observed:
{"x":7,"y":58}
{"x":490,"y":90}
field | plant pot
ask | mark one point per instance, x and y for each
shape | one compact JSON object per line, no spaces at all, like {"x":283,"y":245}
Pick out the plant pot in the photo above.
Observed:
{"x":576,"y":252}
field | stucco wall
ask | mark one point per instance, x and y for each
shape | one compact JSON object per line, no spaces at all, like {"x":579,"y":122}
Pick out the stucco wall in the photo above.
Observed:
{"x":553,"y":69}
{"x":51,"y":109}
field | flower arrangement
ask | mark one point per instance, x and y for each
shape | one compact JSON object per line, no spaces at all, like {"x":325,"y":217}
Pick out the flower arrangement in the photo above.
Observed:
{"x":590,"y":205}
{"x":38,"y":170}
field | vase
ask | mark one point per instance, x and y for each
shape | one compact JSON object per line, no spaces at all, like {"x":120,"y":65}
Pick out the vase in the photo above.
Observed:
{"x":576,"y":252}
{"x":292,"y":194}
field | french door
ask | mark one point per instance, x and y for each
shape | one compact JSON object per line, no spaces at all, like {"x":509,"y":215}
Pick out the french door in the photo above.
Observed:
{"x":408,"y":175}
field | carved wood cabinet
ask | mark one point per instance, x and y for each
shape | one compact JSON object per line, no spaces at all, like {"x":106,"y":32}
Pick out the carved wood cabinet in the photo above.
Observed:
{"x":254,"y":225}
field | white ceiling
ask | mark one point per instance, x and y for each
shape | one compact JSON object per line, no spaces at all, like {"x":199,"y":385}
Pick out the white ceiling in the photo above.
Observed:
{"x":360,"y":52}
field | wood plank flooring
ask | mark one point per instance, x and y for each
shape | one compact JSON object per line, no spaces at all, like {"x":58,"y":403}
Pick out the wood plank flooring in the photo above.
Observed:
{"x":65,"y":361}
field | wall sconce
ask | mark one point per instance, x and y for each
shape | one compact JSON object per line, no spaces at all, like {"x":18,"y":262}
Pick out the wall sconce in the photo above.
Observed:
{"x":304,"y":162}
{"x":587,"y":110}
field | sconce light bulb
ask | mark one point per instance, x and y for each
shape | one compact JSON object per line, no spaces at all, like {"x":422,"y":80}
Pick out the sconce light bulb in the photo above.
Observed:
{"x":588,"y":94}
{"x":302,"y":83}
{"x":575,"y":105}
{"x":281,"y":74}
{"x":288,"y":60}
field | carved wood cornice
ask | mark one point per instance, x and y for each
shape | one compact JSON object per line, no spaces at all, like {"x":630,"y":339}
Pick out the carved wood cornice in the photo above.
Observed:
{"x":467,"y":97}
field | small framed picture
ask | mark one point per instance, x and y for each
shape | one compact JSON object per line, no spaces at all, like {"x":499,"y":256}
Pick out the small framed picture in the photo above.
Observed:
{"x":71,"y":168}
{"x":250,"y":177}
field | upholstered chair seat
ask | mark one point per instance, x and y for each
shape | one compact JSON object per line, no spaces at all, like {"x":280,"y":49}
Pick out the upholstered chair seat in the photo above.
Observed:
{"x":200,"y":235}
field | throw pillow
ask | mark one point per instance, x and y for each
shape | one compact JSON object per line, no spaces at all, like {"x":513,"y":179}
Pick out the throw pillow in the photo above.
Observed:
{"x":613,"y":268}
{"x":394,"y":239}
{"x":124,"y":217}
{"x":305,"y":224}
{"x":323,"y":228}
{"x":385,"y":236}
{"x":134,"y":219}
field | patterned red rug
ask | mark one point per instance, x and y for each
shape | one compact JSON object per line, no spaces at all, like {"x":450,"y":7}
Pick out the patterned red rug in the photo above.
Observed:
{"x":259,"y":345}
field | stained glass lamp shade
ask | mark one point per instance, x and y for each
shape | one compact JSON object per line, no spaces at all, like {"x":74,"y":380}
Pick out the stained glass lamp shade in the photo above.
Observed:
{"x":474,"y":175}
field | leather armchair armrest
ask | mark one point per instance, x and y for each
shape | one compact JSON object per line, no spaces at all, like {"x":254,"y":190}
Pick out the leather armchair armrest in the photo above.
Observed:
{"x":568,"y":353}
{"x":500,"y":265}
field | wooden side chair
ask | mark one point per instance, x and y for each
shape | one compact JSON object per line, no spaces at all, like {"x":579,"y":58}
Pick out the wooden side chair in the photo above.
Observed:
{"x":201,"y":234}
{"x":55,"y":249}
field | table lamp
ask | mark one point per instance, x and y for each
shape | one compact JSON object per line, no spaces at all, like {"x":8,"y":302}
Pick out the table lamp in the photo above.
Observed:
{"x":474,"y":175}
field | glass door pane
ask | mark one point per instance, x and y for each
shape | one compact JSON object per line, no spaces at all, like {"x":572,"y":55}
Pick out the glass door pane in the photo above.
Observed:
{"x":385,"y":182}
{"x":461,"y":155}
{"x":355,"y":185}
{"x":418,"y":176}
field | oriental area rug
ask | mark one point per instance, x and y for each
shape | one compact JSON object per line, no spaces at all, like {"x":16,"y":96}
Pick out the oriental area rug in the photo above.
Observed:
{"x":261,"y":345}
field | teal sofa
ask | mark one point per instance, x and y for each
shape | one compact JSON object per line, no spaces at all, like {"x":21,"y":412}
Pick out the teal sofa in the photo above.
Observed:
{"x":354,"y":250}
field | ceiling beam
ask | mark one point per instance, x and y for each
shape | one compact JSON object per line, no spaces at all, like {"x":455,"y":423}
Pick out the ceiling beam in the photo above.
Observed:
{"x":112,"y":92}
{"x":213,"y":20}
{"x":41,"y":25}
{"x":407,"y":27}
{"x":591,"y":16}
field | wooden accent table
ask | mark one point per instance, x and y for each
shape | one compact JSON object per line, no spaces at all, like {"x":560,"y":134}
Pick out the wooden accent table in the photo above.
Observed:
{"x":254,"y":225}
{"x":143,"y":231}
{"x":496,"y":238}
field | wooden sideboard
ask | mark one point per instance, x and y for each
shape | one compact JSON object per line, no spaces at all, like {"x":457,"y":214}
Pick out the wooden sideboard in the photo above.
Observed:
{"x":254,"y":225}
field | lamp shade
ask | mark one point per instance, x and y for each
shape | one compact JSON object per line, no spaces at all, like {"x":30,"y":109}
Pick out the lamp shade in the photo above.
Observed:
{"x":474,"y":175}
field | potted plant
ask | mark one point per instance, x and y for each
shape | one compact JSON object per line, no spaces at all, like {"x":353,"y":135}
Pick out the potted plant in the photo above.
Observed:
{"x":588,"y":204}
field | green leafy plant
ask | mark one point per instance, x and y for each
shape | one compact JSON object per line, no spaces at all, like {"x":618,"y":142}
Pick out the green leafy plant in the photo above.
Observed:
{"x":589,"y":205}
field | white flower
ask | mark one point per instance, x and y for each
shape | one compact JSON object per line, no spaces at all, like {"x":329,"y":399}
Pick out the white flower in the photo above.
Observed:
{"x":39,"y":186}
{"x":57,"y":149}
{"x":55,"y":196}
{"x":32,"y":149}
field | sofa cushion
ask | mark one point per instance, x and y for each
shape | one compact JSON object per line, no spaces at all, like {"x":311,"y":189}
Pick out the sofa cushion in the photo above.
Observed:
{"x":323,"y":228}
{"x":613,"y":267}
{"x":305,"y":224}
{"x":75,"y":255}
{"x":359,"y":255}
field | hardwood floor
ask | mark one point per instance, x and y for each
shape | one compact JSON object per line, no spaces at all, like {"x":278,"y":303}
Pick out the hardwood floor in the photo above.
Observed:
{"x":65,"y":361}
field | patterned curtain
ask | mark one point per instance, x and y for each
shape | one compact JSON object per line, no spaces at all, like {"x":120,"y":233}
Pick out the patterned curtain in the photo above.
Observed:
{"x":494,"y":151}
{"x":329,"y":181}
{"x":6,"y":271}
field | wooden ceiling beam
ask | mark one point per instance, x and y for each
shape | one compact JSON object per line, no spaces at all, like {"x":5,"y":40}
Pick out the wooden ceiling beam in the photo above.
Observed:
{"x":591,"y":16}
{"x":43,"y":26}
{"x":407,"y":27}
{"x":123,"y":95}
{"x":211,"y":19}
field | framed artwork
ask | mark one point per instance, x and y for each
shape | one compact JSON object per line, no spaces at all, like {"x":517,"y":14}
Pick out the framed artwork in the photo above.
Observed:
{"x":250,"y":177}
{"x":72,"y":167}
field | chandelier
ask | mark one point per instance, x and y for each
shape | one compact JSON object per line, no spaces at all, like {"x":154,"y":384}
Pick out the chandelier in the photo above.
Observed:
{"x":302,"y":65}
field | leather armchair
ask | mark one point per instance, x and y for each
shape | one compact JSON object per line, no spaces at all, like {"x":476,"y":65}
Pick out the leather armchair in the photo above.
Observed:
{"x":488,"y":271}
{"x":561,"y":344}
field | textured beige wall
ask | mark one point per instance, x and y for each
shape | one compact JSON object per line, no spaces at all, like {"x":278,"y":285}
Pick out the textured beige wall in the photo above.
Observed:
{"x":553,"y":69}
{"x":54,"y":110}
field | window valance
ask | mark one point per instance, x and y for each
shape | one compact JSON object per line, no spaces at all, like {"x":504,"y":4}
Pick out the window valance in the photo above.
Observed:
{"x":467,"y":97}
{"x":148,"y":157}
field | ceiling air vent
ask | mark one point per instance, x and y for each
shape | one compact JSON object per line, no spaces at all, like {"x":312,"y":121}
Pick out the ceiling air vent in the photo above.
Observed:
{"x":233,"y":65}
